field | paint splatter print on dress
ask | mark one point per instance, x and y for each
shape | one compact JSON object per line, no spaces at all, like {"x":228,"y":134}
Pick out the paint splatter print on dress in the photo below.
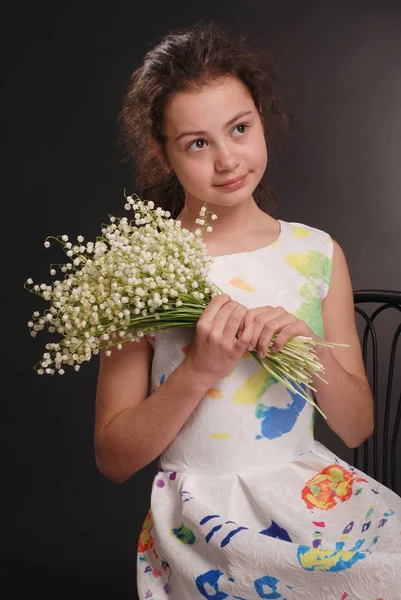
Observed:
{"x":246,"y":503}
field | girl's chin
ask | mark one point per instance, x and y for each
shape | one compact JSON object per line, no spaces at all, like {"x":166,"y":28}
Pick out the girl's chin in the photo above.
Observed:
{"x":243,"y":194}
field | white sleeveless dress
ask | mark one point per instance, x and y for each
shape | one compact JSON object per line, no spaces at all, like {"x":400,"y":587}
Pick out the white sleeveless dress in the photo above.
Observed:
{"x":246,"y":504}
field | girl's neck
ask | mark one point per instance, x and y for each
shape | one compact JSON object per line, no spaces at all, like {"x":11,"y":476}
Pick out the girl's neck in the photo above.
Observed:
{"x":232,"y":221}
{"x":236,"y":229}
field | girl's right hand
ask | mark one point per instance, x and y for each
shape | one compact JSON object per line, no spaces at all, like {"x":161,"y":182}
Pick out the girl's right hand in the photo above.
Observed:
{"x":216,"y":349}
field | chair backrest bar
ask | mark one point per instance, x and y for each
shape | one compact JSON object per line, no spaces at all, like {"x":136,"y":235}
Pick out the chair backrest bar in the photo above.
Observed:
{"x":387,"y":300}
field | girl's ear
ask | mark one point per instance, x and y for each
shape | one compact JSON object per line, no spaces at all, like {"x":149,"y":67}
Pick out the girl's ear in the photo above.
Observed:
{"x":158,"y":152}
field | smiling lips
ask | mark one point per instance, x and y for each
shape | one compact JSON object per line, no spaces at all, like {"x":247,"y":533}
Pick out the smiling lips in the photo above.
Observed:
{"x":233,"y":184}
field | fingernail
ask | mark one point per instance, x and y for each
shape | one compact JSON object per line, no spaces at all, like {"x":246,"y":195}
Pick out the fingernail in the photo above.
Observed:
{"x":250,"y":347}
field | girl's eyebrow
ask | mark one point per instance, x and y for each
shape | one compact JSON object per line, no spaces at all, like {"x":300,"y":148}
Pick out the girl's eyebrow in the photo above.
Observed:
{"x":230,"y":122}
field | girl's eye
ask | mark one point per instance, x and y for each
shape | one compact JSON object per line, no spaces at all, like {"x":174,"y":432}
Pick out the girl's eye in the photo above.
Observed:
{"x":241,"y":126}
{"x":197,"y":145}
{"x":200,"y":143}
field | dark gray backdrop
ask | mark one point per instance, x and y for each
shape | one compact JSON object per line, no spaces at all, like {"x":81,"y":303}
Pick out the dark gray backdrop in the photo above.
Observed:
{"x":66,"y":530}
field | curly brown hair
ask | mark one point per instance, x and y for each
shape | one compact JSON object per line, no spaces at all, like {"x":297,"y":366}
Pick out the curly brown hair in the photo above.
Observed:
{"x":187,"y":60}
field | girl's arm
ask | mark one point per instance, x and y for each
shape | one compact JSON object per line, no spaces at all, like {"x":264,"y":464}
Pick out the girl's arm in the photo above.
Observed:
{"x":347,"y":400}
{"x":132,"y":429}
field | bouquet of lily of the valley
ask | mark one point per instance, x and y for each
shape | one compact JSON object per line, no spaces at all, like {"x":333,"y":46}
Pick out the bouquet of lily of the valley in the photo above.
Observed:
{"x":138,"y":277}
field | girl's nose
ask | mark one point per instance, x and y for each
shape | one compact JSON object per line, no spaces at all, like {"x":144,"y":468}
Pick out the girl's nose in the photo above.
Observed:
{"x":226,"y":161}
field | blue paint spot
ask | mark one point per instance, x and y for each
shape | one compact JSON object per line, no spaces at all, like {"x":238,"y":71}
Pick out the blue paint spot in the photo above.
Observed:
{"x":206,"y":519}
{"x":276,"y":531}
{"x":228,"y":537}
{"x":212,"y":532}
{"x":358,"y":544}
{"x":184,"y":492}
{"x":271,"y":583}
{"x":278,"y":421}
{"x":210,"y":579}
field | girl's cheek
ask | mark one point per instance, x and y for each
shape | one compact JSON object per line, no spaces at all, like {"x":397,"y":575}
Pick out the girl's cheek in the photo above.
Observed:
{"x":261,"y":155}
{"x":199,"y":170}
{"x":193,"y":176}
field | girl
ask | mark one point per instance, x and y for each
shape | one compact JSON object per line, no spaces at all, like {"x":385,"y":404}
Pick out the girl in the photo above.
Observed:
{"x":246,"y":504}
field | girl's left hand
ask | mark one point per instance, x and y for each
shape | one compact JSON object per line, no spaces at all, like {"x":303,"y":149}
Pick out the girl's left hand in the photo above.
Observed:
{"x":268,"y":320}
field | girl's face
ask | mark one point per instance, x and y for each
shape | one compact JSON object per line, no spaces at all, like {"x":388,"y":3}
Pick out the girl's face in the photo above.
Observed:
{"x":214,"y":136}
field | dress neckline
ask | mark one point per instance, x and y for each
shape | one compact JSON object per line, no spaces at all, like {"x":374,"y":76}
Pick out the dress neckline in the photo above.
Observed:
{"x":278,"y":238}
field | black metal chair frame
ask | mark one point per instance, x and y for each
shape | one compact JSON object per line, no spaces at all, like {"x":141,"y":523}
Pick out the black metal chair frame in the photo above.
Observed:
{"x":387,"y":299}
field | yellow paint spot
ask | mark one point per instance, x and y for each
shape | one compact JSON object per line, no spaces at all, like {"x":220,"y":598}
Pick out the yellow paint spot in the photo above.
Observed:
{"x":300,"y":232}
{"x":146,"y":540}
{"x":215,"y":393}
{"x":251,"y":387}
{"x":323,"y":560}
{"x":242,"y":284}
{"x":311,"y":264}
{"x":219,"y":436}
{"x":299,"y":262}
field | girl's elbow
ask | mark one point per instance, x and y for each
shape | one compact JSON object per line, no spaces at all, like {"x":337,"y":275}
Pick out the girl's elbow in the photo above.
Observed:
{"x":360,"y":436}
{"x":110,"y":474}
{"x":110,"y":469}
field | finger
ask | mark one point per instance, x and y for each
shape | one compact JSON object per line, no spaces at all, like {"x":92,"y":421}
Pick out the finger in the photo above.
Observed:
{"x":243,"y":323}
{"x":231,"y":329}
{"x":260,"y":317}
{"x":258,"y":323}
{"x":246,"y":335}
{"x":270,"y":329}
{"x":225,"y":314}
{"x":298,"y":327}
{"x":212,"y":309}
{"x":271,"y":311}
